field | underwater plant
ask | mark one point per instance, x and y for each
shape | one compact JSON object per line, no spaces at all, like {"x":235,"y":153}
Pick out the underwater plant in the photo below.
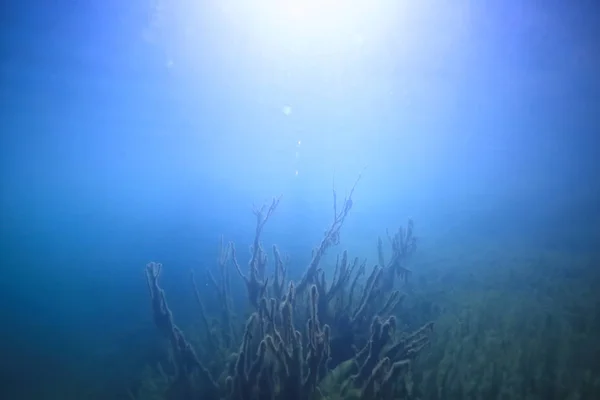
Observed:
{"x":305,"y":339}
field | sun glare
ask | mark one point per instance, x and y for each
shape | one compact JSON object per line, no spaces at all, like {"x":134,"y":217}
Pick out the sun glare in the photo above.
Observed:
{"x":314,"y":18}
{"x":320,"y":26}
{"x":304,"y":11}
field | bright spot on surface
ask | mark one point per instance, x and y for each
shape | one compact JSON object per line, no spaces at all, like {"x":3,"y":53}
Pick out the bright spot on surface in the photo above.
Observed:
{"x":359,"y":40}
{"x":296,"y":10}
{"x":287,"y":110}
{"x":299,"y":142}
{"x":296,"y":172}
{"x":170,"y":64}
{"x":313,"y":12}
{"x":312,"y":27}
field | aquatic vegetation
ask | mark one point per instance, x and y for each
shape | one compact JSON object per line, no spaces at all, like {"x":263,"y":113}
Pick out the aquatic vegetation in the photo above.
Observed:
{"x":520,"y":327}
{"x":305,"y":339}
{"x":529,"y":333}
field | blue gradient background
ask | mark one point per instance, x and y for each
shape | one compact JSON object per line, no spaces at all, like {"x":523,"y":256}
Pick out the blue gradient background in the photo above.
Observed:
{"x":141,"y":131}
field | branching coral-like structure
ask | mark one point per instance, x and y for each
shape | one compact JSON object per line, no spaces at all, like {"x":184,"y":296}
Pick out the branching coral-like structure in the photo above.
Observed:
{"x":186,"y":362}
{"x":304,"y":340}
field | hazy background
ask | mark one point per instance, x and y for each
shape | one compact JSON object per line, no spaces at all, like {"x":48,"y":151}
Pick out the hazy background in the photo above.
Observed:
{"x":142,"y":131}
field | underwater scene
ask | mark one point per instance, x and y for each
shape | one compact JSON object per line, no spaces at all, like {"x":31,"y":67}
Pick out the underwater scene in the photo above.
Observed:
{"x":300,"y":200}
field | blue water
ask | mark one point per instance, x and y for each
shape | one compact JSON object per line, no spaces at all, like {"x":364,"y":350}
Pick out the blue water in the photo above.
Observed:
{"x":144,"y":131}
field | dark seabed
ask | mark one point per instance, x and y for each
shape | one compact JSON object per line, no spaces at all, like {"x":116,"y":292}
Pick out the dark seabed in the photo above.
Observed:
{"x":279,"y":200}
